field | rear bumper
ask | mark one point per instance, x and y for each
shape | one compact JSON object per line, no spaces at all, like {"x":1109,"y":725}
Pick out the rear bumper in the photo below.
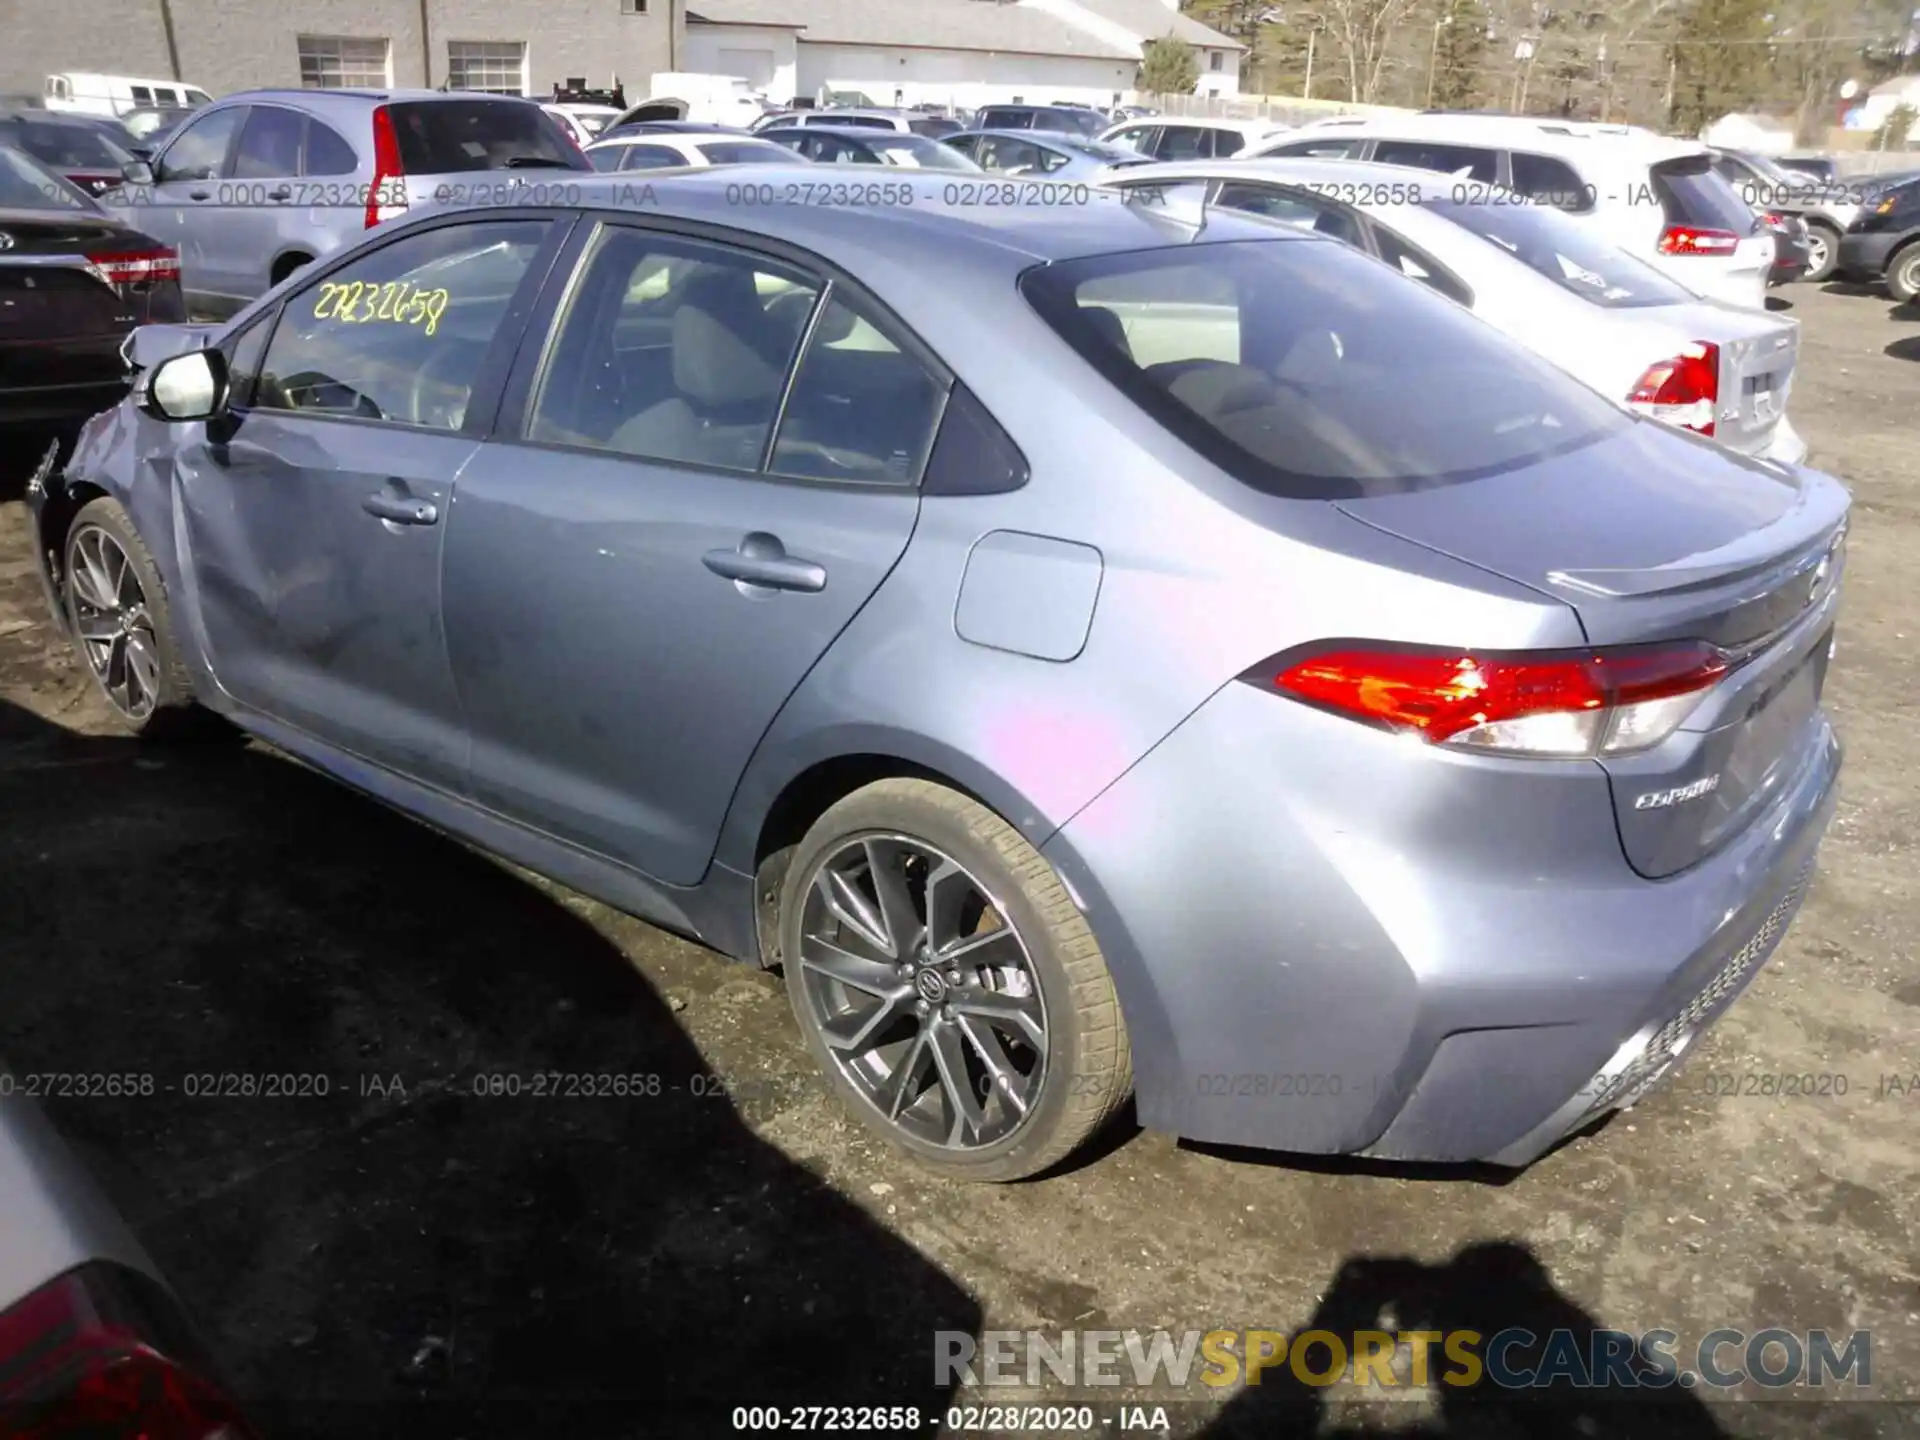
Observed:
{"x":1866,"y":256}
{"x":1318,"y":950}
{"x":1787,"y":444}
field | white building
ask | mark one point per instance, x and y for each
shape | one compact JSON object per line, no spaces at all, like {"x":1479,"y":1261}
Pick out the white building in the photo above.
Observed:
{"x":949,"y":52}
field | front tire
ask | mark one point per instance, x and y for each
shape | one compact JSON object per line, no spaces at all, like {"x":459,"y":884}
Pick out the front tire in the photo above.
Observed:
{"x":116,"y":607}
{"x":1823,"y":253}
{"x":1903,"y":275}
{"x":948,"y":986}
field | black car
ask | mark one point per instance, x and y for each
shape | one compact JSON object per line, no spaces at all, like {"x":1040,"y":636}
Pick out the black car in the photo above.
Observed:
{"x":73,"y":282}
{"x":1883,"y":242}
{"x":81,"y":148}
{"x":1792,"y":246}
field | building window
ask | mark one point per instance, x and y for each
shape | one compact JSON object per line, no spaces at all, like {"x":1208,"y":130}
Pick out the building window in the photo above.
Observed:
{"x":497,"y":67}
{"x":334,"y":62}
{"x":1214,"y":60}
{"x":633,"y":7}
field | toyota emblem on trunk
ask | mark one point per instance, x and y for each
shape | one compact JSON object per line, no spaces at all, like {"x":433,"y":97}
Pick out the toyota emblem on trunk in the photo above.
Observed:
{"x":6,"y":241}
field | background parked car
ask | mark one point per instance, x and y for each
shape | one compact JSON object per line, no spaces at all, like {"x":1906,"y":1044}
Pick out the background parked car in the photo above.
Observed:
{"x":92,"y":1340}
{"x":901,"y":122}
{"x":1630,"y":331}
{"x":1824,"y":211}
{"x":1792,"y":247}
{"x":1657,"y":198}
{"x":74,"y":281}
{"x":1883,"y":244}
{"x":258,"y":184}
{"x":1061,"y":119}
{"x":1191,"y":139}
{"x":82,"y":148}
{"x":832,"y":145}
{"x":665,"y":150}
{"x":1820,"y":167}
{"x":1035,"y":152}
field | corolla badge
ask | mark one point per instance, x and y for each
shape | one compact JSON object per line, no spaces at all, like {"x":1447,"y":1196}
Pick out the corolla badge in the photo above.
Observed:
{"x":1679,"y":795}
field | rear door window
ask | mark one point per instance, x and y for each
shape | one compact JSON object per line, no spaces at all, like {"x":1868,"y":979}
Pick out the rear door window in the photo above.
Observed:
{"x":1416,"y":264}
{"x":1300,"y":369}
{"x":1228,"y":142}
{"x":1550,"y":181}
{"x":1468,"y":162}
{"x":1692,"y":193}
{"x":1184,"y":142}
{"x":743,"y":152}
{"x":651,"y":157}
{"x":449,"y":137}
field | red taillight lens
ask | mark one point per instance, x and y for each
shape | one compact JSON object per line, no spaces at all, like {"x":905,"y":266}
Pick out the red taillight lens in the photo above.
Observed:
{"x":82,"y":1356}
{"x":1546,"y":703}
{"x":136,"y":267}
{"x":1683,"y":391}
{"x":1691,"y":240}
{"x":387,"y":197}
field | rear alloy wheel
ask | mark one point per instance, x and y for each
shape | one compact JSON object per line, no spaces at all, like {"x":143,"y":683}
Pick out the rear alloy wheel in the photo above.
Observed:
{"x":948,"y":985}
{"x":1823,"y":253}
{"x":117,"y":614}
{"x":1903,"y":275}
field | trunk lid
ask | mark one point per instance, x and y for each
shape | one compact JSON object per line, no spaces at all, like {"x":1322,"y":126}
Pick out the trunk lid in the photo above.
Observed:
{"x":49,"y":295}
{"x":1654,"y":535}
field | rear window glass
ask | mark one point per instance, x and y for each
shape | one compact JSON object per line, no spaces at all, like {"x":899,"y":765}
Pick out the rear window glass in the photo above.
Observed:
{"x":1297,"y":367}
{"x":916,"y":152}
{"x":447,"y":137}
{"x":745,"y":152}
{"x":1567,"y":252}
{"x":25,"y":186}
{"x":64,"y":146}
{"x":1692,"y":193}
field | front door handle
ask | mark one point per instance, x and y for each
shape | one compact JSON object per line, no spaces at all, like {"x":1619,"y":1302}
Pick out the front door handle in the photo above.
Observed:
{"x":398,"y":510}
{"x":285,"y":192}
{"x":199,"y":194}
{"x":763,"y":561}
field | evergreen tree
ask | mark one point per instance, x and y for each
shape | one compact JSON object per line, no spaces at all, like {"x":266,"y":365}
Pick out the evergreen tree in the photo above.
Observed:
{"x":1720,"y":61}
{"x":1167,"y":67}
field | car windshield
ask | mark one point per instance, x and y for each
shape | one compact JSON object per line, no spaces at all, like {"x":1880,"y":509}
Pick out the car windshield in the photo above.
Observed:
{"x":448,"y":137}
{"x":1567,"y":252}
{"x":916,"y":152}
{"x":25,"y":185}
{"x":1300,"y":368}
{"x":64,"y":145}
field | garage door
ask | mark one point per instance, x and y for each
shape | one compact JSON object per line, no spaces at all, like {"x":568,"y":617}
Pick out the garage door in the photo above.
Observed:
{"x":756,"y":65}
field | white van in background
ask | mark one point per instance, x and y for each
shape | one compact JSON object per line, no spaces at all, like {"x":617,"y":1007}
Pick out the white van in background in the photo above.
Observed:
{"x":84,"y":93}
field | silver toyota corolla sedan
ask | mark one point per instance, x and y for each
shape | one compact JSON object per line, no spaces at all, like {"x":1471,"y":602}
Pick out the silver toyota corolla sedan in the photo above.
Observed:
{"x":1090,"y":654}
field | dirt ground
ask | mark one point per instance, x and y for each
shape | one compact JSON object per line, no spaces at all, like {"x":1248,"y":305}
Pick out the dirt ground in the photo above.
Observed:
{"x":407,"y":1254}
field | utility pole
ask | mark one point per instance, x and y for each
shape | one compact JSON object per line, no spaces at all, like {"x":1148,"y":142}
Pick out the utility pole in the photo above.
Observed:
{"x":173,"y":45}
{"x":1673,"y":71}
{"x":1306,"y":91}
{"x":1433,"y":55}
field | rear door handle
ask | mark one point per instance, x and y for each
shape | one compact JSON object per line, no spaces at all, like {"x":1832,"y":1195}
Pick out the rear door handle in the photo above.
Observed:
{"x":285,"y":192}
{"x":399,"y":511}
{"x":762,"y":560}
{"x":199,"y":194}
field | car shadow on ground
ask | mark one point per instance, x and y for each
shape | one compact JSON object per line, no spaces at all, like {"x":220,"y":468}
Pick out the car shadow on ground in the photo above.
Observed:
{"x":1486,"y":1288}
{"x":382,"y":1239}
{"x":1905,"y":349}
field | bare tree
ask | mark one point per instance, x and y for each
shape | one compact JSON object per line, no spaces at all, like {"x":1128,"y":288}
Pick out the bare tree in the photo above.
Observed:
{"x":1361,"y":33}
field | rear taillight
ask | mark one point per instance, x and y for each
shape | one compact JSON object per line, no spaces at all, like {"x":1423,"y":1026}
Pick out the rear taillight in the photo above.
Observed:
{"x":1774,"y":221}
{"x":136,"y":267}
{"x":86,"y":1355}
{"x":1691,"y":240}
{"x":1548,"y":704}
{"x":387,"y":197}
{"x":1682,"y":391}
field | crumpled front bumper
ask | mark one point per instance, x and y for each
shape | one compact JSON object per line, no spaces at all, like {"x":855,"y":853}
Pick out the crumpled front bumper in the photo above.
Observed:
{"x":48,"y":485}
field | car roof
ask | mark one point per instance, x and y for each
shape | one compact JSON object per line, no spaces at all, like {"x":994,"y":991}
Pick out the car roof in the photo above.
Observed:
{"x":1356,"y":179}
{"x":909,"y":236}
{"x":846,"y":132}
{"x":345,"y":99}
{"x":1564,"y":138}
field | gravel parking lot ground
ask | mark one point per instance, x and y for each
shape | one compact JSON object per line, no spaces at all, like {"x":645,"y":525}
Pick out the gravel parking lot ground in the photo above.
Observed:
{"x":407,"y":1252}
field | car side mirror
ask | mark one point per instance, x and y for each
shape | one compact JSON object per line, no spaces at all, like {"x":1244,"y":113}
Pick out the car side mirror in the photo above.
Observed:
{"x":192,"y":386}
{"x":137,"y":172}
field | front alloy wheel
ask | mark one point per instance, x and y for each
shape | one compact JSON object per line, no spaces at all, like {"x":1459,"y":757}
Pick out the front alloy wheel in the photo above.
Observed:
{"x":948,"y":985}
{"x":107,"y":607}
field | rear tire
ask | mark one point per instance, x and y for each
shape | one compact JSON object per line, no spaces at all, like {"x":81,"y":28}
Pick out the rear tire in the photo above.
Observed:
{"x":1903,"y":274}
{"x":117,"y":613}
{"x":1823,"y":252}
{"x":948,"y":986}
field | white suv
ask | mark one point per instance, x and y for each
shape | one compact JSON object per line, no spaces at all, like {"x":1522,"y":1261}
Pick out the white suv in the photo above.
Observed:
{"x":1656,"y":198}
